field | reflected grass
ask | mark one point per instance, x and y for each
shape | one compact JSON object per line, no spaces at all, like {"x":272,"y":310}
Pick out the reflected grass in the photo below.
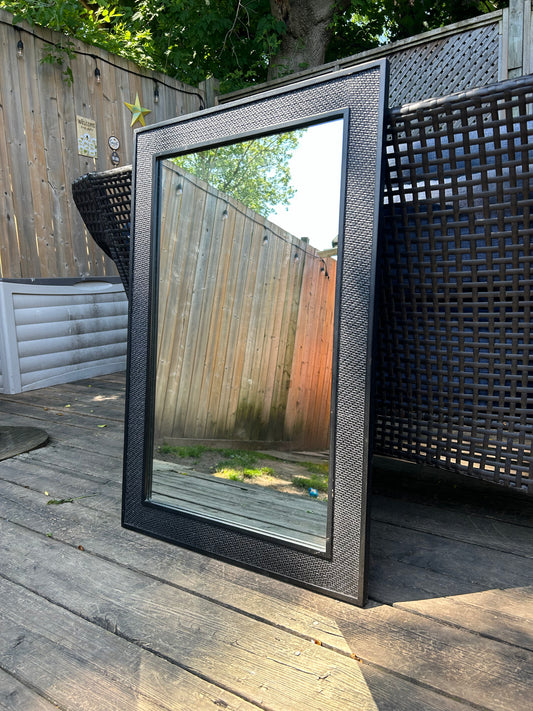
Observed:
{"x":242,"y":473}
{"x":319,"y":468}
{"x":315,"y":481}
{"x":250,"y":465}
{"x":238,"y":465}
{"x":193,"y":451}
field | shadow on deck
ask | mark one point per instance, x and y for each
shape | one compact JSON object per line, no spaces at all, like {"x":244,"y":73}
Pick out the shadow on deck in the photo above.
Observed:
{"x":97,"y":617}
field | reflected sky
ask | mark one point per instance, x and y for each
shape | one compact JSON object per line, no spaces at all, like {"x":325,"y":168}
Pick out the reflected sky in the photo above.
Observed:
{"x":316,"y":167}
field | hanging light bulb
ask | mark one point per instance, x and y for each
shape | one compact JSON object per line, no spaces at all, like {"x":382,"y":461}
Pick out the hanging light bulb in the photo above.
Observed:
{"x":179,"y":189}
{"x":20,"y":48}
{"x":225,"y":214}
{"x":97,"y":75}
{"x":156,"y":94}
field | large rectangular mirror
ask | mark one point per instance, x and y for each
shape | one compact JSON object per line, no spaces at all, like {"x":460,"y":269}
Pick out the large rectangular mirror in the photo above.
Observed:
{"x":245,"y":323}
{"x":248,"y":410}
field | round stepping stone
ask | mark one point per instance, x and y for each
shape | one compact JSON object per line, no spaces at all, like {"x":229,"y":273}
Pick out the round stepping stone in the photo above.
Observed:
{"x":16,"y":440}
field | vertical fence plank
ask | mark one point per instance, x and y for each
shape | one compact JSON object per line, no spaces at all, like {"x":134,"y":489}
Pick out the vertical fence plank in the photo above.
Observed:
{"x":42,"y":234}
{"x":224,"y":293}
{"x":516,"y":38}
{"x":241,"y":307}
{"x":174,"y":301}
{"x":17,"y":155}
{"x":9,"y":246}
{"x":526,"y":57}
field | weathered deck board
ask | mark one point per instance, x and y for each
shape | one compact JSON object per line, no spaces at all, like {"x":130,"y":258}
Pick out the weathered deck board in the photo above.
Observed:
{"x":57,"y":650}
{"x":380,"y":634}
{"x":448,"y":625}
{"x":257,"y":661}
{"x":14,"y":696}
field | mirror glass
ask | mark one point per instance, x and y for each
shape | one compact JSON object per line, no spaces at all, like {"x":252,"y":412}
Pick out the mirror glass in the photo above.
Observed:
{"x":247,"y":242}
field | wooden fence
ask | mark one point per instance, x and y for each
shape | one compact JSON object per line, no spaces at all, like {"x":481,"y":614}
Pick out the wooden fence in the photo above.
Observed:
{"x":41,"y":233}
{"x":245,"y":334}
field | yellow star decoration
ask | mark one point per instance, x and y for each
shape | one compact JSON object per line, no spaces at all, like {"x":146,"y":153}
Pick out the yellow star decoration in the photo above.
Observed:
{"x":137,"y":111}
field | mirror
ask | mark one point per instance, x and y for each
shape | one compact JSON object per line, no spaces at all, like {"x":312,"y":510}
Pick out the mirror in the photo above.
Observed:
{"x":246,"y":301}
{"x":249,"y":371}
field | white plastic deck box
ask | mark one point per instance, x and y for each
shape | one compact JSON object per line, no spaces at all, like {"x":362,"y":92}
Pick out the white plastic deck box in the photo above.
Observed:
{"x":60,"y":330}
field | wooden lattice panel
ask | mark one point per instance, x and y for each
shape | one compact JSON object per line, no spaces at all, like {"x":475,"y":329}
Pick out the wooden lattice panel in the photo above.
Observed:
{"x":455,"y":63}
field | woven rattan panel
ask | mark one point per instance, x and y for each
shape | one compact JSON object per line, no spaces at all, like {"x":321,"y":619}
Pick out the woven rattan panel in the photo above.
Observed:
{"x":104,"y":202}
{"x":446,"y":65}
{"x":454,"y":357}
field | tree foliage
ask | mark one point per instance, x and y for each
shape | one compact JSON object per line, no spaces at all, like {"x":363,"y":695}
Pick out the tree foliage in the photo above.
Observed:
{"x":255,"y":172}
{"x":103,"y":24}
{"x":370,"y":23}
{"x":236,"y":40}
{"x":194,"y":39}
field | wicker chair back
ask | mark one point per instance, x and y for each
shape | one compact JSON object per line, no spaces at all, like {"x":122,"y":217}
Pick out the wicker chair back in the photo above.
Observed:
{"x":104,"y":202}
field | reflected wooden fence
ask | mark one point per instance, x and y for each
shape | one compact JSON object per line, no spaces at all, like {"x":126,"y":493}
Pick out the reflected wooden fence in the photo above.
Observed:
{"x":245,"y":332}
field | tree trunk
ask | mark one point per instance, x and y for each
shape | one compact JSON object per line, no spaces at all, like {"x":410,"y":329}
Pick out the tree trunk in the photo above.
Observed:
{"x":308,"y":32}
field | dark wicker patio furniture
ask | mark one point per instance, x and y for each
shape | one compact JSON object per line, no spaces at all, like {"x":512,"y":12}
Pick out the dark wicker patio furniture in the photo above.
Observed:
{"x":104,"y":202}
{"x":454,"y":366}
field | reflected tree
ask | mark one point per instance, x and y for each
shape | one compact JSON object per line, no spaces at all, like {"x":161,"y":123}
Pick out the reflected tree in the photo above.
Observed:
{"x":256,"y":172}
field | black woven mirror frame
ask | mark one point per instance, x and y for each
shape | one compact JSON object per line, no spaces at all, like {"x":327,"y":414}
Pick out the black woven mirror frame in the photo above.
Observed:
{"x":360,"y":94}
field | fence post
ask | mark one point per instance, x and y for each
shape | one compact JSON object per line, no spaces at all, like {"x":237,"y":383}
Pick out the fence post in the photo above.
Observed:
{"x":527,"y":64}
{"x":210,"y":87}
{"x":516,"y":39}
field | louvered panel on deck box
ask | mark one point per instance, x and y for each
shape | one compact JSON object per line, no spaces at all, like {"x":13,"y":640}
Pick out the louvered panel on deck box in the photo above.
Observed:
{"x":60,"y":330}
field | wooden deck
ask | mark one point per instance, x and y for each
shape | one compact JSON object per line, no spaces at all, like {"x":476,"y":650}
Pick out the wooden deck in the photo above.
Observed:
{"x":96,"y":617}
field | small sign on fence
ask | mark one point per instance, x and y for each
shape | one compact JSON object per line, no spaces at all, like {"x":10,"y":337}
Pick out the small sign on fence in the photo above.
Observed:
{"x":86,"y":137}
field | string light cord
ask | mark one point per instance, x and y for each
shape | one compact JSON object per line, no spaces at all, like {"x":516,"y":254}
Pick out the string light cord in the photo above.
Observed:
{"x":103,"y":60}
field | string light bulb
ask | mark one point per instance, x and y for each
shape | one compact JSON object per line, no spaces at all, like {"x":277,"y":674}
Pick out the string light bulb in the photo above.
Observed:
{"x":20,"y":48}
{"x":97,"y":74}
{"x":156,"y":93}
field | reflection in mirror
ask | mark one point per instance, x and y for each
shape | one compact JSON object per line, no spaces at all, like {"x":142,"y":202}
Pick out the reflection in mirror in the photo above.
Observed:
{"x":246,"y":300}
